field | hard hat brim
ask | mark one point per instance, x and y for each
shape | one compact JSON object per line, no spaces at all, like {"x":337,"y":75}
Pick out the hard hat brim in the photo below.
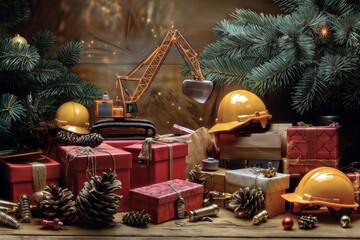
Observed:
{"x":293,"y":197}
{"x":78,"y":130}
{"x":225,"y":127}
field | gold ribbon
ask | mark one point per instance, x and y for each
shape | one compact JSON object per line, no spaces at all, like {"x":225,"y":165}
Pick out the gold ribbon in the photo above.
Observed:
{"x":146,"y":154}
{"x":39,"y":179}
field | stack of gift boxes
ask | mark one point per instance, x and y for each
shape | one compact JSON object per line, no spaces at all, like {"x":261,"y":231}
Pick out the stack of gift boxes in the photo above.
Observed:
{"x":157,"y":184}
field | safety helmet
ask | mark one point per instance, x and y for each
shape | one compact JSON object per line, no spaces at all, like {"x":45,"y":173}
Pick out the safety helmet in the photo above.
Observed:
{"x":324,"y":186}
{"x":73,"y":117}
{"x":237,"y":109}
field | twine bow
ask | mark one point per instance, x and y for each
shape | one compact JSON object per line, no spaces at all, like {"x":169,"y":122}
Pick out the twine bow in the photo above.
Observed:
{"x":91,"y":165}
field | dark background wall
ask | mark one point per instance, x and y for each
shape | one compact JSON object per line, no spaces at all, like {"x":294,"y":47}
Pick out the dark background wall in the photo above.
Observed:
{"x":119,"y":34}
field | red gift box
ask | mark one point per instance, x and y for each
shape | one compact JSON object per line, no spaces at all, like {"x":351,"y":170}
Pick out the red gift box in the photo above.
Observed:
{"x":161,"y":167}
{"x":75,"y":174}
{"x":303,"y":166}
{"x":160,"y":200}
{"x":313,"y":142}
{"x":17,"y":176}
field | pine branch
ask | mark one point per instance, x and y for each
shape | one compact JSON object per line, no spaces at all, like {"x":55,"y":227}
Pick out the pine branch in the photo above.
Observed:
{"x":247,"y":17}
{"x":336,"y":69}
{"x":17,"y":57}
{"x":69,"y":54}
{"x":351,"y":94}
{"x":334,"y":7}
{"x":310,"y":93}
{"x":226,"y":71}
{"x":289,"y":6}
{"x":46,"y":70}
{"x":227,"y":27}
{"x":11,"y":108}
{"x":88,"y":95}
{"x":12,"y":12}
{"x":62,"y":88}
{"x":277,"y":73}
{"x":347,"y":30}
{"x":43,"y":41}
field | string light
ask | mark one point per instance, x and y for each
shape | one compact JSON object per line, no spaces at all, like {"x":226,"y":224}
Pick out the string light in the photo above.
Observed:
{"x":324,"y":31}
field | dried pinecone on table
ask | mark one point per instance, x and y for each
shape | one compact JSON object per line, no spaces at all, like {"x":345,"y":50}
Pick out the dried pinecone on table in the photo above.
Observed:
{"x":247,"y":203}
{"x":58,"y":203}
{"x":137,"y":219}
{"x":96,"y":202}
{"x":307,"y":222}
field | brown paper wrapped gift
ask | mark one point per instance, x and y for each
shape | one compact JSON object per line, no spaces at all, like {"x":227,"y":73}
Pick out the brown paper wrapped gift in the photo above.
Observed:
{"x":272,"y":187}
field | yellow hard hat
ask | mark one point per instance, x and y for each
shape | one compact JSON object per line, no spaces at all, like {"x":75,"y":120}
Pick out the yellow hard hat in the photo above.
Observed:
{"x":324,"y":186}
{"x":238,"y":108}
{"x":73,"y":117}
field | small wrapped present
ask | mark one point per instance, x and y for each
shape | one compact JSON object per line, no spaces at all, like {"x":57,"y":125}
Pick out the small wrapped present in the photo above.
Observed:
{"x":272,"y":187}
{"x":163,"y":161}
{"x":303,"y":166}
{"x":161,"y":199}
{"x":80,"y":163}
{"x":321,"y":142}
{"x":27,"y":175}
{"x":215,"y":181}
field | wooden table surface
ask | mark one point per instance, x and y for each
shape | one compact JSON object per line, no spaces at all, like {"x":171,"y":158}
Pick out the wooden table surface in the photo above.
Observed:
{"x":225,"y":225}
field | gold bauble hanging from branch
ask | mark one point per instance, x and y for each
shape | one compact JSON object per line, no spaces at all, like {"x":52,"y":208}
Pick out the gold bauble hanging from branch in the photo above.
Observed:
{"x":19,"y":39}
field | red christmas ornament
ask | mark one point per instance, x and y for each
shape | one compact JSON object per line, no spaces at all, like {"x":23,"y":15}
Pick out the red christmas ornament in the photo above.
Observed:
{"x":288,"y":223}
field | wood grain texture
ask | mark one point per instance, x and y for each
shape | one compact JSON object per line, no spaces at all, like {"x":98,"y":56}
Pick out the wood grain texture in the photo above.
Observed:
{"x":225,"y":225}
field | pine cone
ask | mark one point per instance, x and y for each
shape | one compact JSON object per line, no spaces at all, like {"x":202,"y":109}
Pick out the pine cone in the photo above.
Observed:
{"x":96,"y":202}
{"x":91,"y":139}
{"x":307,"y":222}
{"x":137,"y":219}
{"x":196,"y":176}
{"x":68,"y":138}
{"x":247,"y":203}
{"x":58,"y":203}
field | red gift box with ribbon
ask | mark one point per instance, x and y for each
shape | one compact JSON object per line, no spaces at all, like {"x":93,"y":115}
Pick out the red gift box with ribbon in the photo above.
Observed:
{"x":79,"y":163}
{"x":320,"y":142}
{"x":167,"y":161}
{"x":27,"y":175}
{"x":161,"y":199}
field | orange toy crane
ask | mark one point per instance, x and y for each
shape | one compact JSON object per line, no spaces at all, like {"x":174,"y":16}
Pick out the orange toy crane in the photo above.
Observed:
{"x":126,"y":126}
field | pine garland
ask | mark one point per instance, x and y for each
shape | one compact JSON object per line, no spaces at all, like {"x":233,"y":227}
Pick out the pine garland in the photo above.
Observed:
{"x":270,"y":53}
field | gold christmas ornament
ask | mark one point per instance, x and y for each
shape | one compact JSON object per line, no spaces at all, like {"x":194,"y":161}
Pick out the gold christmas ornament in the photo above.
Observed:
{"x":18,"y":39}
